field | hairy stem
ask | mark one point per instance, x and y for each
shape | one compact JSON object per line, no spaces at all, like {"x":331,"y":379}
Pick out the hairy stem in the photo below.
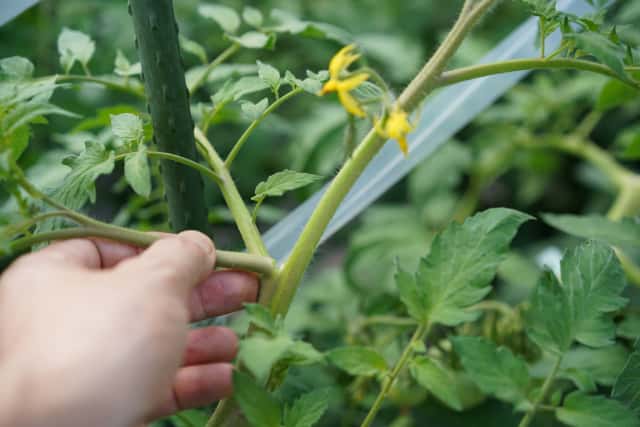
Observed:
{"x":528,"y":418}
{"x":225,"y":259}
{"x":247,"y":133}
{"x":390,"y":379}
{"x":484,"y":70}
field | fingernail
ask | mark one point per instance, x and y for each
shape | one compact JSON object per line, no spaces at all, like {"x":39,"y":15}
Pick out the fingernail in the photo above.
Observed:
{"x":199,"y":239}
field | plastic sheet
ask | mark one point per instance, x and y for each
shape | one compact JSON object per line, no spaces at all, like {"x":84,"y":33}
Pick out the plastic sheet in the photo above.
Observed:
{"x":443,"y":115}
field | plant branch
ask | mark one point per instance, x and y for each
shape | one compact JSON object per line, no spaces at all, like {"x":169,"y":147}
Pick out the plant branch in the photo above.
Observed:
{"x":226,"y":54}
{"x":484,"y":70}
{"x":225,"y":259}
{"x":248,"y":230}
{"x":178,"y":159}
{"x":247,"y":133}
{"x":136,"y":90}
{"x":528,"y":418}
{"x":388,"y":381}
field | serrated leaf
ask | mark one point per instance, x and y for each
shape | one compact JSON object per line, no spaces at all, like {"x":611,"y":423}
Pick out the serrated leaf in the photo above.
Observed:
{"x":269,"y":74}
{"x":79,"y":185}
{"x":253,"y":40}
{"x":16,"y":68}
{"x":438,"y":380}
{"x":252,"y":16}
{"x":592,"y":280}
{"x":288,"y":23}
{"x":582,"y":410}
{"x":194,"y":48}
{"x":627,"y":386}
{"x":302,"y":353}
{"x":74,"y":46}
{"x":629,"y":327}
{"x":124,"y":68}
{"x":254,"y":111}
{"x":137,"y":171}
{"x":603,"y":49}
{"x":622,"y":233}
{"x":259,"y":353}
{"x":458,"y":271}
{"x":259,"y":407}
{"x":224,"y":16}
{"x":496,"y":370}
{"x":128,"y":127}
{"x":358,"y":361}
{"x":307,"y":410}
{"x":282,"y":182}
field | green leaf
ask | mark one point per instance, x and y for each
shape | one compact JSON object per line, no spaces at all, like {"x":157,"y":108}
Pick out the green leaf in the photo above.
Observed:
{"x":190,"y":418}
{"x":74,"y":46}
{"x":358,"y":361}
{"x":307,"y":410}
{"x":288,"y":23}
{"x":224,"y":16}
{"x":254,"y":111}
{"x":603,"y":49}
{"x":16,"y":68}
{"x":549,"y":324}
{"x":458,"y":271}
{"x":79,"y":185}
{"x":128,"y":127}
{"x":438,"y":380}
{"x":124,"y":68}
{"x":592,"y":280}
{"x":137,"y":172}
{"x":629,"y":327}
{"x":582,"y":410}
{"x":269,"y":74}
{"x":614,"y":94}
{"x":259,"y":353}
{"x":253,"y":40}
{"x":259,"y":407}
{"x":194,"y":48}
{"x":627,"y":386}
{"x":623,"y":233}
{"x":252,"y":16}
{"x":278,"y":184}
{"x":260,"y":316}
{"x":496,"y":370}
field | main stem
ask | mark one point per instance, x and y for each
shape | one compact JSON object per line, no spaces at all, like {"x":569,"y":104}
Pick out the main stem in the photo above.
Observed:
{"x":388,"y":382}
{"x":528,"y":418}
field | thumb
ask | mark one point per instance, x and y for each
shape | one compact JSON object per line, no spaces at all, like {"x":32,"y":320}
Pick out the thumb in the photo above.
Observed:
{"x":176,"y":262}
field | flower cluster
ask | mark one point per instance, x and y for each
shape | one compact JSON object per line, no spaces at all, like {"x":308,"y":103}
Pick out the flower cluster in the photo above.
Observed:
{"x":395,"y":125}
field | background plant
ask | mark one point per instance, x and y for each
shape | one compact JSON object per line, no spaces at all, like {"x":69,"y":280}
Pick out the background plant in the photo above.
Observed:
{"x":514,"y":157}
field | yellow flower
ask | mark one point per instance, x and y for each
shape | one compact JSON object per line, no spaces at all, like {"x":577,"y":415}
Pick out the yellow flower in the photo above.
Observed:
{"x":339,"y":63}
{"x":397,"y":126}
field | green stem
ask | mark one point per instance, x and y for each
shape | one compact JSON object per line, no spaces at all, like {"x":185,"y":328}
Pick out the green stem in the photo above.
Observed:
{"x":248,"y":230}
{"x":388,"y":382}
{"x":225,"y":259}
{"x":226,"y":54}
{"x":136,"y":90}
{"x":428,"y":78}
{"x":484,"y":70}
{"x":528,"y":418}
{"x":247,"y":133}
{"x":542,"y":22}
{"x":178,"y":159}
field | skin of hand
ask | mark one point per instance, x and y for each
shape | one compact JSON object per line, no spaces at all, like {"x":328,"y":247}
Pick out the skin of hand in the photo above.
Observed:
{"x":97,"y":333}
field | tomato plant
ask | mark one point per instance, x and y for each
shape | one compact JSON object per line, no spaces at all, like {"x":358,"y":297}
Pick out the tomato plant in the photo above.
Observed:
{"x":453,"y":305}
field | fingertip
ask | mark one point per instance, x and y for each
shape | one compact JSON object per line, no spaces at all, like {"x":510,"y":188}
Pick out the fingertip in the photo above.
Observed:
{"x":200,"y":239}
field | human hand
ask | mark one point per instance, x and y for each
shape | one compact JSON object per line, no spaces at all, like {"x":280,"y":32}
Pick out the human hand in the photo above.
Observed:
{"x":96,"y":333}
